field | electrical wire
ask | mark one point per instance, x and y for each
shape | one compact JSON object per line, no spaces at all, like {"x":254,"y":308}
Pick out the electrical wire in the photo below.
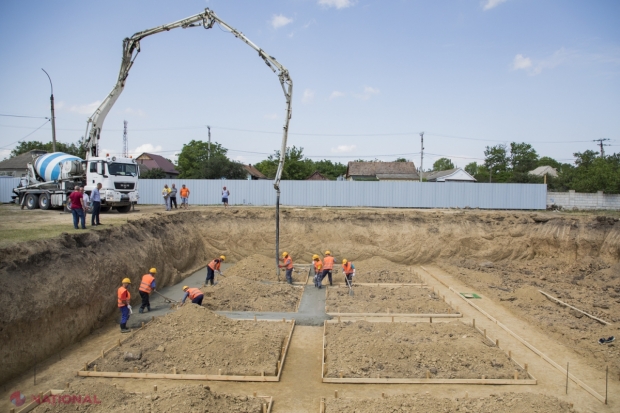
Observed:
{"x":23,"y":116}
{"x":44,"y":123}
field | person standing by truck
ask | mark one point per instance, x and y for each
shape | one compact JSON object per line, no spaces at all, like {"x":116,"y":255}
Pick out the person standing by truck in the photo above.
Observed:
{"x":95,"y":198}
{"x":146,"y":287}
{"x":77,"y":207}
{"x":124,"y":297}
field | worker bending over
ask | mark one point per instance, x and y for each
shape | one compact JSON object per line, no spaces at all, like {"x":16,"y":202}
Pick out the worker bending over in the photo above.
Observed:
{"x":349,"y":272}
{"x":288,"y":263}
{"x":318,"y":265}
{"x":328,"y":266}
{"x":146,"y":286}
{"x":124,"y":297}
{"x":194,"y":294}
{"x":212,"y":267}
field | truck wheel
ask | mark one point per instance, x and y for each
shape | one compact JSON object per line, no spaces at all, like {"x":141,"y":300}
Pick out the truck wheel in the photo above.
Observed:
{"x":105,"y":209}
{"x":32,"y":201}
{"x":124,"y":209}
{"x":44,"y":201}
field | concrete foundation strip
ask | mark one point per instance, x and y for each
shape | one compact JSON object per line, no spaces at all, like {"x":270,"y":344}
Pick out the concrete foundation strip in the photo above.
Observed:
{"x":379,"y":380}
{"x":212,"y":377}
{"x":525,"y":343}
{"x":574,"y":308}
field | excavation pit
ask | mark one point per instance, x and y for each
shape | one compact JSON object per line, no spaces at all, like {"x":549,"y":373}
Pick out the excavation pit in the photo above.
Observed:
{"x":417,"y":353}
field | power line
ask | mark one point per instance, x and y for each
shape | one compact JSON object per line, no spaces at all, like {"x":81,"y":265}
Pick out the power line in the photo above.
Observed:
{"x":44,"y":123}
{"x":23,"y":116}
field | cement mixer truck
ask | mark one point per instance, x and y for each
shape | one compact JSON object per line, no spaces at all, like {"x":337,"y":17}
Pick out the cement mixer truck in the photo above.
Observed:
{"x":53,"y":176}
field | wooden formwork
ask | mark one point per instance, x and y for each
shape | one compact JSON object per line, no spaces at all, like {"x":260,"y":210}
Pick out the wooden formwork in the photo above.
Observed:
{"x":390,"y":380}
{"x":174,"y":376}
{"x":388,"y":313}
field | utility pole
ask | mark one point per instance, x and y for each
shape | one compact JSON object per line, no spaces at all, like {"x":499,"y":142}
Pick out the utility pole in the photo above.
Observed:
{"x":53,"y":117}
{"x":601,"y":144}
{"x":125,"y":144}
{"x":209,"y":147}
{"x":421,"y":155}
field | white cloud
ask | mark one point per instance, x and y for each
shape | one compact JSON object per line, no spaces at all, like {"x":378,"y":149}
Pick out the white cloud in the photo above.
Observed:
{"x":308,"y":96}
{"x":343,"y":148}
{"x":310,"y":23}
{"x":87,"y":109}
{"x":271,"y":116}
{"x":367,"y":94}
{"x":335,"y":95}
{"x":521,"y":62}
{"x":280,"y":21}
{"x":338,"y":4}
{"x":491,"y":4}
{"x":135,"y":112}
{"x":147,"y":147}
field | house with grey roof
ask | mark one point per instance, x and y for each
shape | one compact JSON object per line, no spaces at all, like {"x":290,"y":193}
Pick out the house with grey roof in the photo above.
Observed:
{"x":381,"y":171}
{"x":253,"y":173}
{"x":544,"y":170}
{"x":449,"y":175}
{"x":17,"y":166}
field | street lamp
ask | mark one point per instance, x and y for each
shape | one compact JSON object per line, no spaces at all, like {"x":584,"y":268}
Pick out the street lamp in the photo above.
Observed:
{"x":53,"y":117}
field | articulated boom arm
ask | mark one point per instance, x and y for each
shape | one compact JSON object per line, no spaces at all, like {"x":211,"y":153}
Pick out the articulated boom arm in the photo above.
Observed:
{"x":131,"y":48}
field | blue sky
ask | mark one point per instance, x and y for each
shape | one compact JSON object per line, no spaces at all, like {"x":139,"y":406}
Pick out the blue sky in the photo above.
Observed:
{"x":369,"y":76}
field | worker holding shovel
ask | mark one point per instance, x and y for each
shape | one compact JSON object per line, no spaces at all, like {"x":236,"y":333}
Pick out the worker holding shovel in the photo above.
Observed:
{"x":194,"y":294}
{"x":212,"y":267}
{"x":318,"y":265}
{"x":146,"y":287}
{"x":349,"y":271}
{"x":288,"y":263}
{"x":124,"y":297}
{"x":328,"y":266}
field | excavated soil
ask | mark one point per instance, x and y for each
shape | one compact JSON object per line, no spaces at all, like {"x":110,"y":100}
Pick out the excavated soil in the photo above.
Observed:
{"x":398,"y":299}
{"x":407,"y":350}
{"x":198,"y":341}
{"x":591,"y":285}
{"x":380,"y":270}
{"x":496,"y":403}
{"x":239,"y":294}
{"x":184,"y":398}
{"x":262,"y":268}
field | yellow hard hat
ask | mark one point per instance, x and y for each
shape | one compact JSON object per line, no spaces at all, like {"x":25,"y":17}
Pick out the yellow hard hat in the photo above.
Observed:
{"x":126,"y":280}
{"x":344,"y":261}
{"x":328,"y":253}
{"x":153,"y":270}
{"x":315,"y":257}
{"x":222,"y":257}
{"x":185,"y":287}
{"x":285,"y":254}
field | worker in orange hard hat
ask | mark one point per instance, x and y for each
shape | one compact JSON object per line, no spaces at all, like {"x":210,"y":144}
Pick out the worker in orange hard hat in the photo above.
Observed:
{"x":212,"y":267}
{"x":193,"y":294}
{"x":124,"y":297}
{"x":318,"y":265}
{"x":146,"y":287}
{"x":349,"y":271}
{"x":287,"y":262}
{"x":328,"y":266}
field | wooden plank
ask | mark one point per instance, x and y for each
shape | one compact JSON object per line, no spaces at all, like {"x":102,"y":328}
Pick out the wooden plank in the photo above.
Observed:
{"x":353,"y":380}
{"x":525,"y":343}
{"x":269,"y":400}
{"x":339,"y":284}
{"x":574,"y":308}
{"x":211,"y":377}
{"x":34,"y":404}
{"x":288,"y":342}
{"x":458,"y":315}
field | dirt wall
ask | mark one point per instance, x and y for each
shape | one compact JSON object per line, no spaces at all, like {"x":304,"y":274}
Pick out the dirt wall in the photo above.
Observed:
{"x":55,"y":292}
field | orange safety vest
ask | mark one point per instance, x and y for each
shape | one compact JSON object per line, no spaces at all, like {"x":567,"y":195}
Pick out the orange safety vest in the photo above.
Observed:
{"x":317,"y":265}
{"x":288,"y":261}
{"x":215,"y":264}
{"x":122,"y":291}
{"x":347,"y":268}
{"x":147,"y":280}
{"x":328,"y":262}
{"x":194,"y":292}
{"x":184,"y":192}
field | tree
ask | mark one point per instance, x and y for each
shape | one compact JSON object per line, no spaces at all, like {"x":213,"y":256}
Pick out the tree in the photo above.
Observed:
{"x":443,"y":164}
{"x":295,"y":165}
{"x":155,"y":173}
{"x":193,"y":157}
{"x":402,"y":160}
{"x":221,"y":167}
{"x":480,"y":172}
{"x":75,"y":149}
{"x":496,"y":162}
{"x":330,"y":169}
{"x":593,"y":173}
{"x":523,"y":158}
{"x":547,"y":161}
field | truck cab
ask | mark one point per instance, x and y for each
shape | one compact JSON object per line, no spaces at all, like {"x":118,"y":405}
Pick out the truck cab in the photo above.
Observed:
{"x":118,"y":178}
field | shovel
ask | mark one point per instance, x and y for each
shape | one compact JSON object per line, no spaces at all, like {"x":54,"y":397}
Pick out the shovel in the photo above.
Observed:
{"x":351,"y":293}
{"x":169,"y":300}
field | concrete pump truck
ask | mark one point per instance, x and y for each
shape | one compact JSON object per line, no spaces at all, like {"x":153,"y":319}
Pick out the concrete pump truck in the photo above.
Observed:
{"x":52,"y":177}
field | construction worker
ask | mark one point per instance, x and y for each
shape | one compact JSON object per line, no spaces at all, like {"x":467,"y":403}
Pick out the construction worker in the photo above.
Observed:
{"x":328,"y":265}
{"x":349,"y":271}
{"x":318,"y":265}
{"x":194,"y":294}
{"x":288,"y":264}
{"x":124,"y":297}
{"x":146,"y":286}
{"x":212,"y":267}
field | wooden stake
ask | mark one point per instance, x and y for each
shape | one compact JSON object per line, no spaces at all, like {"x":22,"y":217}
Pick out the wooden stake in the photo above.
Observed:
{"x":219,"y":372}
{"x":67,"y":385}
{"x":254,"y":394}
{"x":510,"y":354}
{"x":336,"y":394}
{"x":383,"y":395}
{"x":338,"y":318}
{"x":102,"y":353}
{"x":95,"y":367}
{"x":516,"y":374}
{"x":119,"y":342}
{"x":262,"y":374}
{"x":85,"y":366}
{"x":392,"y":319}
{"x":428,"y":374}
{"x":474,"y":322}
{"x":135,"y":369}
{"x":153,"y":318}
{"x":340,"y":373}
{"x":264,"y":407}
{"x":466,"y":395}
{"x":485,"y":333}
{"x":484,"y":377}
{"x":284,"y":320}
{"x":525,"y":366}
{"x":155,"y":387}
{"x":142,"y":325}
{"x":567,"y":377}
{"x":431,"y":318}
{"x":497,"y":342}
{"x":606,"y":381}
{"x":174,"y":370}
{"x":322,"y":406}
